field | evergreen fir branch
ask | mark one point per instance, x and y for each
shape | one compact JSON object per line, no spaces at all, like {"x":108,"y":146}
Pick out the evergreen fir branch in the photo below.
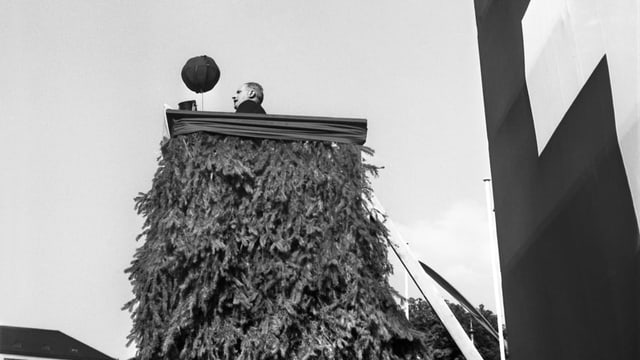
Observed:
{"x":263,"y":249}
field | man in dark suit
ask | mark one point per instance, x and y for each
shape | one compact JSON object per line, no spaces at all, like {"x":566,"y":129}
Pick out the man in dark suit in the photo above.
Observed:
{"x":248,"y":99}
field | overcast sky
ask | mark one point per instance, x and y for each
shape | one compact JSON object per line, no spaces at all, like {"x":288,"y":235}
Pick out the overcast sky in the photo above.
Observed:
{"x":83,"y":85}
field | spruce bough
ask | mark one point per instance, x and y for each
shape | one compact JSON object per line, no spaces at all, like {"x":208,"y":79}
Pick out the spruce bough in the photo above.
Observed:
{"x":263,"y":249}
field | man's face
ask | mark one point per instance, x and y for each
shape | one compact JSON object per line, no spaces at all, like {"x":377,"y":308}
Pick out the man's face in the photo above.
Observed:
{"x":243,"y":94}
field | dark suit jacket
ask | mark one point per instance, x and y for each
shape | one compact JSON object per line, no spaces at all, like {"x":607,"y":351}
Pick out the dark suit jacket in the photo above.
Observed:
{"x":250,"y":107}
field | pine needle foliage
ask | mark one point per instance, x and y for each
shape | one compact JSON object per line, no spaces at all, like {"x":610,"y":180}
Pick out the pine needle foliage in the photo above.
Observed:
{"x":263,"y":249}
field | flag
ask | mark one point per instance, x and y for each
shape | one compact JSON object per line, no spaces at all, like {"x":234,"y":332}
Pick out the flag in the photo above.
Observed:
{"x":560,"y":86}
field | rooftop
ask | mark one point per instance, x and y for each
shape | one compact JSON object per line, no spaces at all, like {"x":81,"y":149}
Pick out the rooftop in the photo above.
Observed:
{"x":45,"y":343}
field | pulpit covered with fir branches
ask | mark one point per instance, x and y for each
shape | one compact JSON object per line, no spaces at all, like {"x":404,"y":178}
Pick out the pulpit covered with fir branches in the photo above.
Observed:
{"x":258,"y":244}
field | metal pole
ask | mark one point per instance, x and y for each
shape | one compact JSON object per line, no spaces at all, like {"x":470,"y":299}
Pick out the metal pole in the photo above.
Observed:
{"x":406,"y":293}
{"x":495,"y":262}
{"x":471,"y":332}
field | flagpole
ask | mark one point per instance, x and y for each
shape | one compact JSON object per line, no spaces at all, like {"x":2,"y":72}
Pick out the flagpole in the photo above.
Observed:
{"x":495,"y":262}
{"x":406,"y":293}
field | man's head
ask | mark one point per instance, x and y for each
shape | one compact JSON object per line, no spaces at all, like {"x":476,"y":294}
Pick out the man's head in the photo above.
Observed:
{"x":248,"y":91}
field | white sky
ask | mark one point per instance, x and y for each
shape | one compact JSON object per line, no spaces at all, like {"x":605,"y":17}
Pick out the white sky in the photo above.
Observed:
{"x":83,"y":83}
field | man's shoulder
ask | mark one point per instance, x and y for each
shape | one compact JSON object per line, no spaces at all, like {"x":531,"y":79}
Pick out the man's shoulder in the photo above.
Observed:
{"x":250,"y":107}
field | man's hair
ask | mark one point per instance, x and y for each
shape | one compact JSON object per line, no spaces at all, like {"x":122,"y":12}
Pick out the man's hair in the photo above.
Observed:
{"x":258,"y":89}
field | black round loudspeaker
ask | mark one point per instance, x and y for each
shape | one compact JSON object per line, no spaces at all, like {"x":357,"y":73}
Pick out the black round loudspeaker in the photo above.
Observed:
{"x":200,"y":74}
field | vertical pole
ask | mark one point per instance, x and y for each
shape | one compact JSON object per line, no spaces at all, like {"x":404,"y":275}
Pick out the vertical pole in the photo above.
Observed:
{"x":471,"y":330}
{"x":406,"y":293}
{"x":495,"y":262}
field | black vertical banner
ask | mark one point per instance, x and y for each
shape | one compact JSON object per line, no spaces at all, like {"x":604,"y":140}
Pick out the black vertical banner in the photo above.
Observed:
{"x":566,"y":225}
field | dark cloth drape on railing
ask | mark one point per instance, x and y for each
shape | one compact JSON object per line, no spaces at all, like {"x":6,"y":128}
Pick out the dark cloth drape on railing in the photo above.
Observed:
{"x":279,"y":127}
